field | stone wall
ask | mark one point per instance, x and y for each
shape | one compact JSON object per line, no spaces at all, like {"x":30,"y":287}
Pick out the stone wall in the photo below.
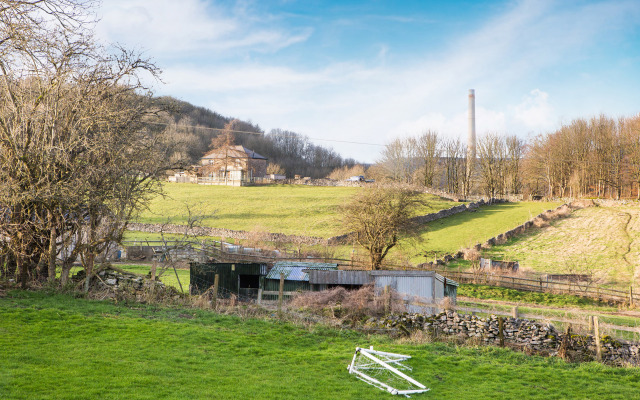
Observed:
{"x":282,"y":238}
{"x":225,"y":233}
{"x":519,"y":333}
{"x":541,"y":219}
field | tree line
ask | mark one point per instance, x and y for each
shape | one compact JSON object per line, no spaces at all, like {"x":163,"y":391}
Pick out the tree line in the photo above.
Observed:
{"x":599,"y":157}
{"x":197,"y":129}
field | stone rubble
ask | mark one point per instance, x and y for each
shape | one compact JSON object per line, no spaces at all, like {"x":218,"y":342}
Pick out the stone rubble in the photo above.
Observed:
{"x":531,"y":335}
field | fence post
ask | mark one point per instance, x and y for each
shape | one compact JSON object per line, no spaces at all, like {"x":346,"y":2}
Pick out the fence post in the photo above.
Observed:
{"x":259,"y":296}
{"x":281,"y":292}
{"x":590,"y":323}
{"x":596,"y":328}
{"x":514,"y":312}
{"x":501,"y":330}
{"x":216,"y":280}
{"x":387,"y":300}
{"x":630,"y":296}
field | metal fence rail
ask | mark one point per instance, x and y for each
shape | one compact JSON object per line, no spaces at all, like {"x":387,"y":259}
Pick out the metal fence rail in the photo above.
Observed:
{"x":543,"y":285}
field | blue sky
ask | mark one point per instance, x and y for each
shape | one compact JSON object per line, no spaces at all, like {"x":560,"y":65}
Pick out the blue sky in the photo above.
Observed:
{"x":371,"y":71}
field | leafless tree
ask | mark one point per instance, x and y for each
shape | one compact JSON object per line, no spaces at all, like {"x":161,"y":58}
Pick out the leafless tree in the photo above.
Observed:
{"x":77,"y":153}
{"x":515,"y":150}
{"x":379,"y":217}
{"x":492,"y":159}
{"x":453,"y":165}
{"x":428,"y":150}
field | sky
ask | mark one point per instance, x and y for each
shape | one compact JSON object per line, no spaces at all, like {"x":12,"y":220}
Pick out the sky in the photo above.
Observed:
{"x":355,"y":75}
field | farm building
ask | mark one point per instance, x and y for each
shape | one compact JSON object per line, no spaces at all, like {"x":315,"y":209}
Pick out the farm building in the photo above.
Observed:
{"x":296,"y":276}
{"x":424,"y":286}
{"x":242,"y":279}
{"x":232,"y":165}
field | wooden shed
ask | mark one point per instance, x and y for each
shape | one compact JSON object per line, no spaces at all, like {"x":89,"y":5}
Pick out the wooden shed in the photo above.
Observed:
{"x":241,"y":279}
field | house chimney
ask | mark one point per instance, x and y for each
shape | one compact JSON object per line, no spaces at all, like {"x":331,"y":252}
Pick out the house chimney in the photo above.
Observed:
{"x":471,"y":140}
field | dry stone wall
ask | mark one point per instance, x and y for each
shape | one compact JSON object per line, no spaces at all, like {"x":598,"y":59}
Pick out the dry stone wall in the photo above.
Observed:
{"x":282,"y":238}
{"x":541,"y":219}
{"x":522,"y":333}
{"x":225,"y":233}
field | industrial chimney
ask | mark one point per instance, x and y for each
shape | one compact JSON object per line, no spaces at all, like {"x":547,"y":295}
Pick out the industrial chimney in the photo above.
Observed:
{"x":471,"y":140}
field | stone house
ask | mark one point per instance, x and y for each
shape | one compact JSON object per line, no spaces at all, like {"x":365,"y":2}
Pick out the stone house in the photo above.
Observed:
{"x":232,"y":165}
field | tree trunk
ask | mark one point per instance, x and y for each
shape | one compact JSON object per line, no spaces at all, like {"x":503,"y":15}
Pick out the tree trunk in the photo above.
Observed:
{"x":88,"y":269}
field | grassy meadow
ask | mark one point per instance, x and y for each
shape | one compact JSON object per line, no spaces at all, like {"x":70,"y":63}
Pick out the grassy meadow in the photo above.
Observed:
{"x":60,"y":347}
{"x":448,"y":235}
{"x":603,"y":241}
{"x":290,"y":209}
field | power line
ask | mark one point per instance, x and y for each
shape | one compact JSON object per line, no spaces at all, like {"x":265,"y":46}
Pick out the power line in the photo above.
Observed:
{"x":262,"y":134}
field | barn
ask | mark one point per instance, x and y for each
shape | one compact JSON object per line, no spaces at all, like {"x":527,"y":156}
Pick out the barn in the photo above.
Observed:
{"x":241,"y":279}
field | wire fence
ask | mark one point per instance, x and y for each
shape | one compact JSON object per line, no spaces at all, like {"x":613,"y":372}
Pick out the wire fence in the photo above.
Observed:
{"x":545,"y":285}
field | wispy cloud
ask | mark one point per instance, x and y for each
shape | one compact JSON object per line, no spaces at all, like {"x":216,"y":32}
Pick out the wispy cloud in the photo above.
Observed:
{"x":171,"y":29}
{"x":517,"y":61}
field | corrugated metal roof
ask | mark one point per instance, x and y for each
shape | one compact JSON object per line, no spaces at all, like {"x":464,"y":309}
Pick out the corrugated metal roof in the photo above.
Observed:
{"x":446,"y":280}
{"x":306,"y":264}
{"x":297,"y":270}
{"x":335,"y":277}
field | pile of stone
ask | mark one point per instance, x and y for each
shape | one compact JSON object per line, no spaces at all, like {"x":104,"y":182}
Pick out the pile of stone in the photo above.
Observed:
{"x":522,"y":333}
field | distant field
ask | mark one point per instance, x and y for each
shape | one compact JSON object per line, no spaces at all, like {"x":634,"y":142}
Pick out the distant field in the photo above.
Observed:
{"x":604,"y":241}
{"x":168,"y":276}
{"x":448,"y":235}
{"x":60,"y":347}
{"x":289,"y":209}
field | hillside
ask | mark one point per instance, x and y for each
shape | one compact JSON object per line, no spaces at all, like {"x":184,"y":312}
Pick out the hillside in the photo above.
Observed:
{"x":603,"y":241}
{"x":194,"y":127}
{"x":290,"y":209}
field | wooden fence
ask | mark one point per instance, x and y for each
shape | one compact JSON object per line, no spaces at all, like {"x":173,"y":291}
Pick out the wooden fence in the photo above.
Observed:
{"x":545,"y":285}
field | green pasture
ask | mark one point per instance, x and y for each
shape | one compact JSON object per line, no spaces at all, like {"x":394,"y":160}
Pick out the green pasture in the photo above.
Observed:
{"x":290,"y":209}
{"x":166,"y":276}
{"x":449,"y":235}
{"x":60,"y":347}
{"x":601,"y":241}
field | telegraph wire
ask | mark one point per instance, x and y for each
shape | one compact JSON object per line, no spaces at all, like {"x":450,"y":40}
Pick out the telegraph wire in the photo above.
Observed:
{"x":261,"y":133}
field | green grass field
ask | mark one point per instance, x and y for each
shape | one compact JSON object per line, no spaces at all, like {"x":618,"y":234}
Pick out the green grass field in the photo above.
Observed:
{"x":59,"y":347}
{"x":448,"y":235}
{"x":603,"y":241}
{"x":289,"y":209}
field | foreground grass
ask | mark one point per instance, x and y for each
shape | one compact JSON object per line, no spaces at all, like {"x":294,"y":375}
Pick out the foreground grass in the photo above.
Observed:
{"x":290,"y":209}
{"x":58,"y":347}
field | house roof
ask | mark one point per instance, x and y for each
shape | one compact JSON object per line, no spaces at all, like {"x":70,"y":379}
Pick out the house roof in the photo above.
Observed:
{"x":238,"y":151}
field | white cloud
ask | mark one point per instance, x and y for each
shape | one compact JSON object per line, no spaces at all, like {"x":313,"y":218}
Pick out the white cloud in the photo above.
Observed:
{"x":353,"y":100}
{"x":535,"y":112}
{"x":170,"y":28}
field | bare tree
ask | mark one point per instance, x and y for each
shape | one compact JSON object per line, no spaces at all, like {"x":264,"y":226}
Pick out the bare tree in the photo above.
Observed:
{"x":453,"y":153}
{"x":379,"y":217}
{"x":428,"y":150}
{"x":515,"y":150}
{"x":78,"y":157}
{"x":492,"y":159}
